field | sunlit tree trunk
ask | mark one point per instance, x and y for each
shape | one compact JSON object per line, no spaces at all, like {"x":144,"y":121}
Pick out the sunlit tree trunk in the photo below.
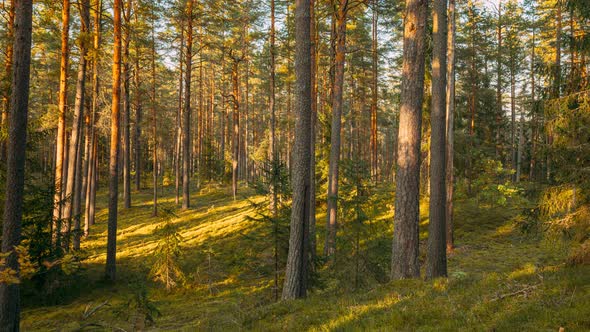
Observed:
{"x":110,"y":272}
{"x":6,"y":86}
{"x":154,"y":124}
{"x":405,"y":262}
{"x":61,"y":125}
{"x":296,"y":273}
{"x":374,"y":92}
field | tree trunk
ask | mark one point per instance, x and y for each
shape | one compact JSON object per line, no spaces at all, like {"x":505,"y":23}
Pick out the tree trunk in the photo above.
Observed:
{"x":272,"y":154}
{"x":178,"y":141}
{"x":7,"y":84}
{"x":296,"y":271}
{"x":15,"y":164}
{"x":61,"y":125}
{"x":334,"y":159}
{"x":450,"y":124}
{"x":110,"y":272}
{"x":314,"y":117}
{"x":374,"y":92}
{"x":236,"y":124}
{"x":437,"y":255}
{"x":154,"y":124}
{"x":499,"y":111}
{"x":92,"y":160}
{"x":407,"y":199}
{"x":73,"y":156}
{"x":186,"y":126}
{"x":127,"y":108}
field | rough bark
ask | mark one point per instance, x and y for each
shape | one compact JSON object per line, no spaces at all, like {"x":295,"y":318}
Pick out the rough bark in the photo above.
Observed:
{"x":110,"y":272}
{"x":126,"y":146}
{"x":297,"y":261}
{"x":437,"y":255}
{"x":15,"y":164}
{"x":407,"y":200}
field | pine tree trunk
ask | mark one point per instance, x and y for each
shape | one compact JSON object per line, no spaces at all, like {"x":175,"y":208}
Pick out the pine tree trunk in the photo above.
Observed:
{"x":15,"y":164}
{"x":178,"y":133}
{"x":296,"y":271}
{"x":7,"y":84}
{"x":450,"y":124}
{"x":73,"y":156}
{"x":154,"y":125}
{"x":110,"y":272}
{"x":374,"y":93}
{"x":407,"y":199}
{"x":335,"y":143}
{"x":61,"y":126}
{"x":314,"y":116}
{"x":186,"y":125}
{"x":127,"y":108}
{"x":437,"y":255}
{"x":272,"y":154}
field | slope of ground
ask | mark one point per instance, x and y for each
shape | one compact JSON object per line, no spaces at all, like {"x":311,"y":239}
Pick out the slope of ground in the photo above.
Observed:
{"x":499,"y":280}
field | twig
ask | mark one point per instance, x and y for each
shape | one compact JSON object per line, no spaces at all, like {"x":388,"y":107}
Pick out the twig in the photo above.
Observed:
{"x":518,"y":292}
{"x":94,"y":310}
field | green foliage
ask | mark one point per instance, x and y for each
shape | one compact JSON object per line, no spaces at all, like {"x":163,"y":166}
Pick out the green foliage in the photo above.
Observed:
{"x":492,"y":187}
{"x":166,"y":268}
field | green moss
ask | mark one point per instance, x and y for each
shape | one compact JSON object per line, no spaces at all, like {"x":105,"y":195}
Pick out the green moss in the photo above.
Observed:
{"x":229,"y":278}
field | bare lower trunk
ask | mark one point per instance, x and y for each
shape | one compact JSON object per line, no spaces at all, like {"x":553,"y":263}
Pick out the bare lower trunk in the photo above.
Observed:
{"x":296,"y":273}
{"x":110,"y":271}
{"x":404,"y":263}
{"x":437,"y":254}
{"x":15,"y":163}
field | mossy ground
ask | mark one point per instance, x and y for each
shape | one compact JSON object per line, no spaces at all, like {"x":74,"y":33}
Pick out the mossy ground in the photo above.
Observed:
{"x":499,"y":279}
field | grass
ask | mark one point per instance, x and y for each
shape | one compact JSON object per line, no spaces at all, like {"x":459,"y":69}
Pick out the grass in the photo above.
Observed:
{"x":499,"y":279}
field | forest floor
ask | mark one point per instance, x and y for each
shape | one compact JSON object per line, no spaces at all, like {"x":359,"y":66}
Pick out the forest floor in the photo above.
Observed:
{"x":499,"y":279}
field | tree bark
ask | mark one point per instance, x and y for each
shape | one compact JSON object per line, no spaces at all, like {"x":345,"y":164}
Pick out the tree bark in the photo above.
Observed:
{"x":334,"y":160}
{"x":154,"y":124}
{"x":73,"y":156}
{"x":450,"y":124}
{"x":186,"y":125}
{"x":15,"y":164}
{"x":127,"y":108}
{"x":7,"y":84}
{"x":61,"y":125}
{"x":374,"y":92}
{"x":437,"y":255}
{"x":110,"y":272}
{"x":405,"y":262}
{"x":296,"y":271}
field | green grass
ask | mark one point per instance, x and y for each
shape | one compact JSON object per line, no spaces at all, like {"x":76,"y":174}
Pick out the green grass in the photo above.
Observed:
{"x":499,"y":279}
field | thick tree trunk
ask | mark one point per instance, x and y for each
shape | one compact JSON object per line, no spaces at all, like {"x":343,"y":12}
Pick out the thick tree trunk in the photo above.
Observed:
{"x":407,"y":199}
{"x":334,"y":160}
{"x":61,"y":126}
{"x":297,"y":261}
{"x":450,"y":124}
{"x":15,"y":164}
{"x":110,"y":272}
{"x":437,"y":255}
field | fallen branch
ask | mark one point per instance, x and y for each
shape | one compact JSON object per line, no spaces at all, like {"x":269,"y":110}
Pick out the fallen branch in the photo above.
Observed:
{"x":88,"y":313}
{"x":522,"y":291}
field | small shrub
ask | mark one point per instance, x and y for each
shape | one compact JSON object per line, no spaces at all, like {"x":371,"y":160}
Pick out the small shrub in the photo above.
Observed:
{"x":166,"y":268}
